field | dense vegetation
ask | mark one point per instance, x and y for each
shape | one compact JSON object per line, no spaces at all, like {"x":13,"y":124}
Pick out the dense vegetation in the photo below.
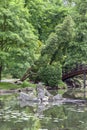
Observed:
{"x":44,"y":35}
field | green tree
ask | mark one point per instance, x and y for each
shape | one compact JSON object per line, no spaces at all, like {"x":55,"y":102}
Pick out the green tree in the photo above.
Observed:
{"x":77,"y":52}
{"x":45,"y":15}
{"x":15,"y":31}
{"x":59,"y":41}
{"x":48,"y":67}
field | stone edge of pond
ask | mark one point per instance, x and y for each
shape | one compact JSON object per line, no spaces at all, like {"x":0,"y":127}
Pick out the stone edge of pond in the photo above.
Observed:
{"x":16,"y":90}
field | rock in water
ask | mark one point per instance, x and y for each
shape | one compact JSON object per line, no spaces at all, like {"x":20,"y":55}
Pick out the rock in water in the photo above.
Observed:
{"x":40,"y":91}
{"x":57,"y":97}
{"x":24,"y":96}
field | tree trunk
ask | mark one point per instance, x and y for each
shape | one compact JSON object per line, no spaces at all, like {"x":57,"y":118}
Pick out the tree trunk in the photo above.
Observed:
{"x":0,"y":72}
{"x":25,"y":76}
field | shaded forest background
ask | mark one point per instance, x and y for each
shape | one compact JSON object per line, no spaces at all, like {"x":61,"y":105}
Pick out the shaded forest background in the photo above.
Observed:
{"x":47,"y":36}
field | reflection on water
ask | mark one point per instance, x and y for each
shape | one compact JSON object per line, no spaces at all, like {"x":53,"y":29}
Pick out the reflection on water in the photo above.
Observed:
{"x":20,"y":115}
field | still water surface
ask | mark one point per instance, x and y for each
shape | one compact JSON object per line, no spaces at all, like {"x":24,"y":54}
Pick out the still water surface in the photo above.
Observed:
{"x":19,"y":115}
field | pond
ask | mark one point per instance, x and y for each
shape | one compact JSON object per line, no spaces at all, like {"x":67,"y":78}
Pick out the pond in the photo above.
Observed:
{"x":20,"y":115}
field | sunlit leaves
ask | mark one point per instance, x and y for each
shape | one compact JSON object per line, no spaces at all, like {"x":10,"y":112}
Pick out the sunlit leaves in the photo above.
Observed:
{"x":16,"y":32}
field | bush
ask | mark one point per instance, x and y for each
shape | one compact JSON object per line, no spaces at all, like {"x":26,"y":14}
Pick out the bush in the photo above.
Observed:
{"x":27,"y":84}
{"x":50,"y":75}
{"x":61,"y":84}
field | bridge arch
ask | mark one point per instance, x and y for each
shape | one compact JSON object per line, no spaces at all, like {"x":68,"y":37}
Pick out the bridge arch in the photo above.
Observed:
{"x":81,"y":69}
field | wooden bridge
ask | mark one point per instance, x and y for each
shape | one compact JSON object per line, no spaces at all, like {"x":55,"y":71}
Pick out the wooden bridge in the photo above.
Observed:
{"x":78,"y":70}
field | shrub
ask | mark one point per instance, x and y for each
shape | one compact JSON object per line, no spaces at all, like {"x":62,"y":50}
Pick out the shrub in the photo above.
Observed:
{"x":27,"y":84}
{"x":50,"y":74}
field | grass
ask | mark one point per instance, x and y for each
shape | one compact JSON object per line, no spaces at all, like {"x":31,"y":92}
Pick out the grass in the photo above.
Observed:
{"x":7,"y":85}
{"x":27,"y":84}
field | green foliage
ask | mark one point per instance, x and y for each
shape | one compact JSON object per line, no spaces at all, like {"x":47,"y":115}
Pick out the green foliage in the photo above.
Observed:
{"x":17,"y":37}
{"x":45,"y":15}
{"x":62,"y":85}
{"x":27,"y":84}
{"x":42,"y":33}
{"x":59,"y":41}
{"x":7,"y":85}
{"x":19,"y":60}
{"x":77,"y":51}
{"x":55,"y":50}
{"x":50,"y":75}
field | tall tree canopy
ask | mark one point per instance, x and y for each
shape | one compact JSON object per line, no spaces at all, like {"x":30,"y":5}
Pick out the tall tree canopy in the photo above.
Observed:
{"x":59,"y":41}
{"x":16,"y":32}
{"x":77,"y":52}
{"x":45,"y":15}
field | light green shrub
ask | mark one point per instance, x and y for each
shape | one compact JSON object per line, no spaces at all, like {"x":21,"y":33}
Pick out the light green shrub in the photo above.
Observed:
{"x":27,"y":84}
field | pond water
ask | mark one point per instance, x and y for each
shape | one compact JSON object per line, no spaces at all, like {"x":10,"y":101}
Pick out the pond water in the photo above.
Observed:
{"x":20,"y":115}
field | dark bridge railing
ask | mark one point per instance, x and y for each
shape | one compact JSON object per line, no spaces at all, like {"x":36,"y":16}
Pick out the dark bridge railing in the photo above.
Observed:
{"x":80,"y":69}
